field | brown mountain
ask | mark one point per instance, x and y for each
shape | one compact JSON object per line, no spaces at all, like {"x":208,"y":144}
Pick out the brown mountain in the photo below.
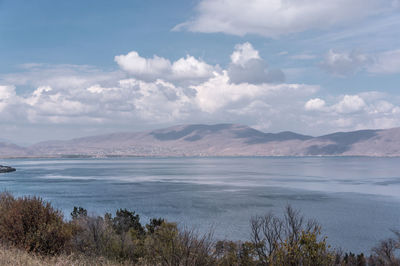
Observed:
{"x":216,"y":140}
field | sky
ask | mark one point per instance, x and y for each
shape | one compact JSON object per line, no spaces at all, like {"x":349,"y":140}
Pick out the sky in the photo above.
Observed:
{"x":77,"y":68}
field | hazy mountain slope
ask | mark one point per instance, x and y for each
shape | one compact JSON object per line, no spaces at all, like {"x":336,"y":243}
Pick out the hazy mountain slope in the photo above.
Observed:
{"x":384,"y":143}
{"x":11,"y":150}
{"x":216,"y":140}
{"x":340,"y":142}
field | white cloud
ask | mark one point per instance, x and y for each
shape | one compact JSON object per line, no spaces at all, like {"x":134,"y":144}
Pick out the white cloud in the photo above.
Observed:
{"x":386,"y":63}
{"x":60,"y":76}
{"x":347,"y":104}
{"x":382,"y":107}
{"x":188,"y":69}
{"x":85,"y":97}
{"x":248,"y":67}
{"x":348,"y":63}
{"x":7,"y":95}
{"x":315,"y":104}
{"x":350,"y":104}
{"x":244,"y":53}
{"x":369,"y":110}
{"x":147,"y":68}
{"x":219,"y":92}
{"x":273,"y":18}
{"x":132,"y":101}
{"x":344,"y":63}
{"x":6,"y":92}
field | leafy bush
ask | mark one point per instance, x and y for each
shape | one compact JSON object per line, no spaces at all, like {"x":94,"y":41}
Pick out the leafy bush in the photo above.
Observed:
{"x":154,"y":224}
{"x":32,"y":224}
{"x":78,"y":212}
{"x":125,"y":221}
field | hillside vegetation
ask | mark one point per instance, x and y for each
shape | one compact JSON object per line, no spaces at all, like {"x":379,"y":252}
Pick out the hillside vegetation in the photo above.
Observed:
{"x":32,"y":232}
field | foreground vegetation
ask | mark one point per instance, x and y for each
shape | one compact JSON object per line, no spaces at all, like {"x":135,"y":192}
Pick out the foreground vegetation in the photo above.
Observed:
{"x":32,"y":232}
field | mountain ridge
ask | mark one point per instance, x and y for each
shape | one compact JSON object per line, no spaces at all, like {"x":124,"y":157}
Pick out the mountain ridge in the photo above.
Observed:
{"x":215,"y":140}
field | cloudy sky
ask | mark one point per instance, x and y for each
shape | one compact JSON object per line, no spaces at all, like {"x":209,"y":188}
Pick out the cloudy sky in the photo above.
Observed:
{"x":77,"y":68}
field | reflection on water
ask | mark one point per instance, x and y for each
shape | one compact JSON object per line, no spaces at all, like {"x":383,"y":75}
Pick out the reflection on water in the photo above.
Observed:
{"x":355,"y":199}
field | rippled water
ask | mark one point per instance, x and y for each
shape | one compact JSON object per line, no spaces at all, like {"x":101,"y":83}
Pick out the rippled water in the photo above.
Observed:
{"x":355,"y":199}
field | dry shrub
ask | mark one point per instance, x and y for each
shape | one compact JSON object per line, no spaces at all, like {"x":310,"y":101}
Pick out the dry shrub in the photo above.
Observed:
{"x":291,"y":240}
{"x":385,"y":253}
{"x":235,"y":253}
{"x":118,"y":238}
{"x":32,"y":224}
{"x":169,"y":246}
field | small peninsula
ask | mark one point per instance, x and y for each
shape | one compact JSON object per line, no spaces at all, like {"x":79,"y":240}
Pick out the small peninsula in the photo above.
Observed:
{"x":6,"y":169}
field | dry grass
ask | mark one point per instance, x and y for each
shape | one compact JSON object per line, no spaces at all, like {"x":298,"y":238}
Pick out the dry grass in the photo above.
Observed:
{"x":15,"y":257}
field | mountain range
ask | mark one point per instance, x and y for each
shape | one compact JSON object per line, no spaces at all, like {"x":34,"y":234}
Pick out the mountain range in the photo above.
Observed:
{"x":215,"y":140}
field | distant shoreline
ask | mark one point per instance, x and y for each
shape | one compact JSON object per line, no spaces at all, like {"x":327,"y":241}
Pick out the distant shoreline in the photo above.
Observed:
{"x":193,"y":156}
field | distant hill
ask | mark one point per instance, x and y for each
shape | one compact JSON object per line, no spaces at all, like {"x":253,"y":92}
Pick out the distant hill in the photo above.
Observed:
{"x":216,"y":140}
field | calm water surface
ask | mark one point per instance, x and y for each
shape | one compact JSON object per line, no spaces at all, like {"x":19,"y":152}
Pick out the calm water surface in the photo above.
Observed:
{"x":357,"y":200}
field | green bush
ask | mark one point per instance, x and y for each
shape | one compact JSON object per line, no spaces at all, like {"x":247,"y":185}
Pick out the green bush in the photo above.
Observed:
{"x":32,"y":224}
{"x":125,"y":221}
{"x":78,"y":212}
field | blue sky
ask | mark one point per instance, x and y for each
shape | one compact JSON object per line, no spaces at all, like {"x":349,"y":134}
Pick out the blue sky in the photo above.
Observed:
{"x":76,"y":68}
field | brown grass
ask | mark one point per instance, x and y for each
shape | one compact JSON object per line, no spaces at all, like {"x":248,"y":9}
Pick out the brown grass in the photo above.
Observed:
{"x":16,"y":257}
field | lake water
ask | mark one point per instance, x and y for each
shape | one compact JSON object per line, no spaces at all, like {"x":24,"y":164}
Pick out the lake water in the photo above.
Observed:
{"x":357,"y":200}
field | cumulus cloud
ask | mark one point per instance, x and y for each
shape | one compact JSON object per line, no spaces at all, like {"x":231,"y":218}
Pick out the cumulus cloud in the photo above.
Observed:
{"x":132,"y":101}
{"x":350,"y":104}
{"x":187,"y":69}
{"x":11,"y":107}
{"x":86,"y":97}
{"x":147,"y":68}
{"x":219,"y":92}
{"x":279,"y":17}
{"x":243,"y":53}
{"x":248,"y":67}
{"x":352,"y":112}
{"x":347,"y":104}
{"x":315,"y":104}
